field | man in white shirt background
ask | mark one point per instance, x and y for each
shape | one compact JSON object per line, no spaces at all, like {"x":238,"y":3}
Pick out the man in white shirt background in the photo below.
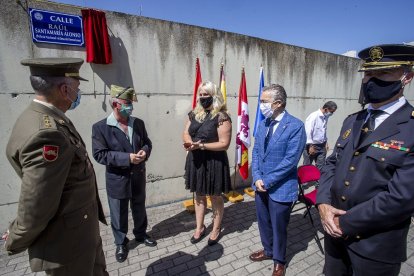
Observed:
{"x":316,"y":140}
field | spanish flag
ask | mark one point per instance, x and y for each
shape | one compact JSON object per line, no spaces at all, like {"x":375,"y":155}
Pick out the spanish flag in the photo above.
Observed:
{"x":223,"y":83}
{"x":243,"y":136}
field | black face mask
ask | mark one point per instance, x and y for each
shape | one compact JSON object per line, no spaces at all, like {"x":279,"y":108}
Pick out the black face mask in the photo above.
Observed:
{"x":377,"y":91}
{"x":206,"y":102}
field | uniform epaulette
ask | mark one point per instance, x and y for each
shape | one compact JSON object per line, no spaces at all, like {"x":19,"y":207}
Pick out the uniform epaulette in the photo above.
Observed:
{"x":47,"y":122}
{"x":355,"y":113}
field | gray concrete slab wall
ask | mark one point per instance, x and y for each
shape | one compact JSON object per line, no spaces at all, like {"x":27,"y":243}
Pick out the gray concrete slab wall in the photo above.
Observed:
{"x":158,"y":58}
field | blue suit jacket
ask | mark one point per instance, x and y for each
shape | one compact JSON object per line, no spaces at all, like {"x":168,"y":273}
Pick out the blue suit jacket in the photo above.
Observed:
{"x":111,"y":148}
{"x":277,"y":167}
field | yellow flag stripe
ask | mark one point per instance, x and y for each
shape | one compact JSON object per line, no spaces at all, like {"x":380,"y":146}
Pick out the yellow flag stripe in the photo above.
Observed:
{"x":223,"y":89}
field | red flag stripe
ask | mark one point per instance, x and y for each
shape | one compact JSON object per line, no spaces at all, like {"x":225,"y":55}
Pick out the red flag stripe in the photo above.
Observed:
{"x":243,"y":137}
{"x":197,"y":83}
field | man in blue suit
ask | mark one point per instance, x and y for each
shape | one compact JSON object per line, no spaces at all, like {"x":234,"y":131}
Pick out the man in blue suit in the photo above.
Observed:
{"x":279,"y":143}
{"x":366,"y":193}
{"x":120,"y":142}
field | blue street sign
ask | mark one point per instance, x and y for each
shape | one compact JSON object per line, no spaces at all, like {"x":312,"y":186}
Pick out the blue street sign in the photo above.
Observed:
{"x":56,"y":28}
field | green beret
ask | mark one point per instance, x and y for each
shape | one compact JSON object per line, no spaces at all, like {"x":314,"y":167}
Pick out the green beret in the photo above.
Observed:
{"x":387,"y":56}
{"x":54,"y":67}
{"x":120,"y":92}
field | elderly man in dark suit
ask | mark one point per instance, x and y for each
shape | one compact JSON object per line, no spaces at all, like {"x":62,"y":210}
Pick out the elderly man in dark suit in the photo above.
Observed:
{"x":120,"y":142}
{"x":59,"y":207}
{"x":366,"y":193}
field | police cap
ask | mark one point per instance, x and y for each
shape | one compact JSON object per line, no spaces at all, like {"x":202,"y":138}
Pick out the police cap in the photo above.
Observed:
{"x":125,"y":93}
{"x":387,"y":56}
{"x":54,"y":67}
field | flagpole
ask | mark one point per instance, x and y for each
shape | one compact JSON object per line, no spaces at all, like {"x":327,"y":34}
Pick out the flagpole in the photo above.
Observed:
{"x":259,"y":117}
{"x":232,"y":196}
{"x":189,"y":204}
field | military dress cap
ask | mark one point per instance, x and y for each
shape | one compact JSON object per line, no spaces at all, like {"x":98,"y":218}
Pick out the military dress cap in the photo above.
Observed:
{"x":387,"y":56}
{"x":54,"y":67}
{"x":125,"y":93}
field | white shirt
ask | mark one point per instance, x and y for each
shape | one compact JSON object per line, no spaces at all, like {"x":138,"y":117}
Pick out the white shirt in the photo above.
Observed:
{"x":388,"y":109}
{"x":315,"y":127}
{"x":277,"y":119}
{"x":111,"y":121}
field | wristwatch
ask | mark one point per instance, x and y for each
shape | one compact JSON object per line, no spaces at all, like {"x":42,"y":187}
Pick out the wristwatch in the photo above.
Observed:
{"x":202,"y":147}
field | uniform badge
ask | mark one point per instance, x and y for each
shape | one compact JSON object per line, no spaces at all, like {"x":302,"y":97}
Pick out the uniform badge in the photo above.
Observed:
{"x":46,"y":121}
{"x":346,"y":134}
{"x":376,"y":53}
{"x":50,"y":153}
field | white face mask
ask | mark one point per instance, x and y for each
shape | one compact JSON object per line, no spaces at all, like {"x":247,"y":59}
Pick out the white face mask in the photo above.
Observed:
{"x":266,"y":109}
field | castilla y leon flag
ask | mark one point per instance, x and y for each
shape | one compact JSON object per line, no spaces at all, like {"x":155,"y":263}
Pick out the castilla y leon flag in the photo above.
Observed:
{"x":243,"y":136}
{"x":197,"y":82}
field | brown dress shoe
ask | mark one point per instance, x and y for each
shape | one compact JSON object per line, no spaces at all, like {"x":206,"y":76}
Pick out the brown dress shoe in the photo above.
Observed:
{"x":279,"y":270}
{"x":259,"y":256}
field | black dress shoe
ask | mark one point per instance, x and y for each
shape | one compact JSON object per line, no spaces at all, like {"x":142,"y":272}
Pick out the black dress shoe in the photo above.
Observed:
{"x":211,"y":242}
{"x":121,"y":253}
{"x":147,"y":240}
{"x":202,"y":234}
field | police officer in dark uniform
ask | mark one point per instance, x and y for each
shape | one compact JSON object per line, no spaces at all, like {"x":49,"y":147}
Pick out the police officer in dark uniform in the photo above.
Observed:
{"x":366,"y":193}
{"x":59,"y":207}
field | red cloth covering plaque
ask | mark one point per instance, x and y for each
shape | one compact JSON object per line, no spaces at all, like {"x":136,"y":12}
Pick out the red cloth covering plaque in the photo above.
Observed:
{"x":98,"y":48}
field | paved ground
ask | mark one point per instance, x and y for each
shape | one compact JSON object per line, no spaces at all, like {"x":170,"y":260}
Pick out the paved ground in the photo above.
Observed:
{"x":175,"y":255}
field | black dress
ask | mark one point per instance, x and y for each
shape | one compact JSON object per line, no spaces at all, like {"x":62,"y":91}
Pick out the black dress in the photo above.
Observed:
{"x":207,"y":172}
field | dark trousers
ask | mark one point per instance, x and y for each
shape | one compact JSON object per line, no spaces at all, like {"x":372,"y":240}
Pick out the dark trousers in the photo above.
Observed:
{"x":318,"y":158}
{"x":273,"y":219}
{"x":340,"y":260}
{"x":119,"y":216}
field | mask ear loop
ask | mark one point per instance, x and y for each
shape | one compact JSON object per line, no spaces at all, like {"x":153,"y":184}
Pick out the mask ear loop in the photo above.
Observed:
{"x":67,"y":93}
{"x":403,"y":80}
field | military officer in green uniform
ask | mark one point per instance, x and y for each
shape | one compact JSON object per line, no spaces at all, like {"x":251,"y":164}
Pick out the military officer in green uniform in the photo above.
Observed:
{"x":59,"y":208}
{"x":366,"y":193}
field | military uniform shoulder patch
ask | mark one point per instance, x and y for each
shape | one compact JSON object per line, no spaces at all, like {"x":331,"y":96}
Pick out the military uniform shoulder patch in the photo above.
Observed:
{"x":346,"y":134}
{"x":47,"y":122}
{"x":50,"y":152}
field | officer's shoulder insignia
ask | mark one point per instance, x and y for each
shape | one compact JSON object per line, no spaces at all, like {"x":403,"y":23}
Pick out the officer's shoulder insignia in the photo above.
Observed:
{"x":346,"y":134}
{"x":50,"y":152}
{"x":46,"y":122}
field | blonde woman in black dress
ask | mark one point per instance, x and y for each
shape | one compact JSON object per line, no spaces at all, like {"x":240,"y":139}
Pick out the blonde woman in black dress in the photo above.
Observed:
{"x":206,"y":137}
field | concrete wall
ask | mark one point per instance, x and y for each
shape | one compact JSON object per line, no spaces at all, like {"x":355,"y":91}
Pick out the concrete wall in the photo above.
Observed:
{"x":157,"y":58}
